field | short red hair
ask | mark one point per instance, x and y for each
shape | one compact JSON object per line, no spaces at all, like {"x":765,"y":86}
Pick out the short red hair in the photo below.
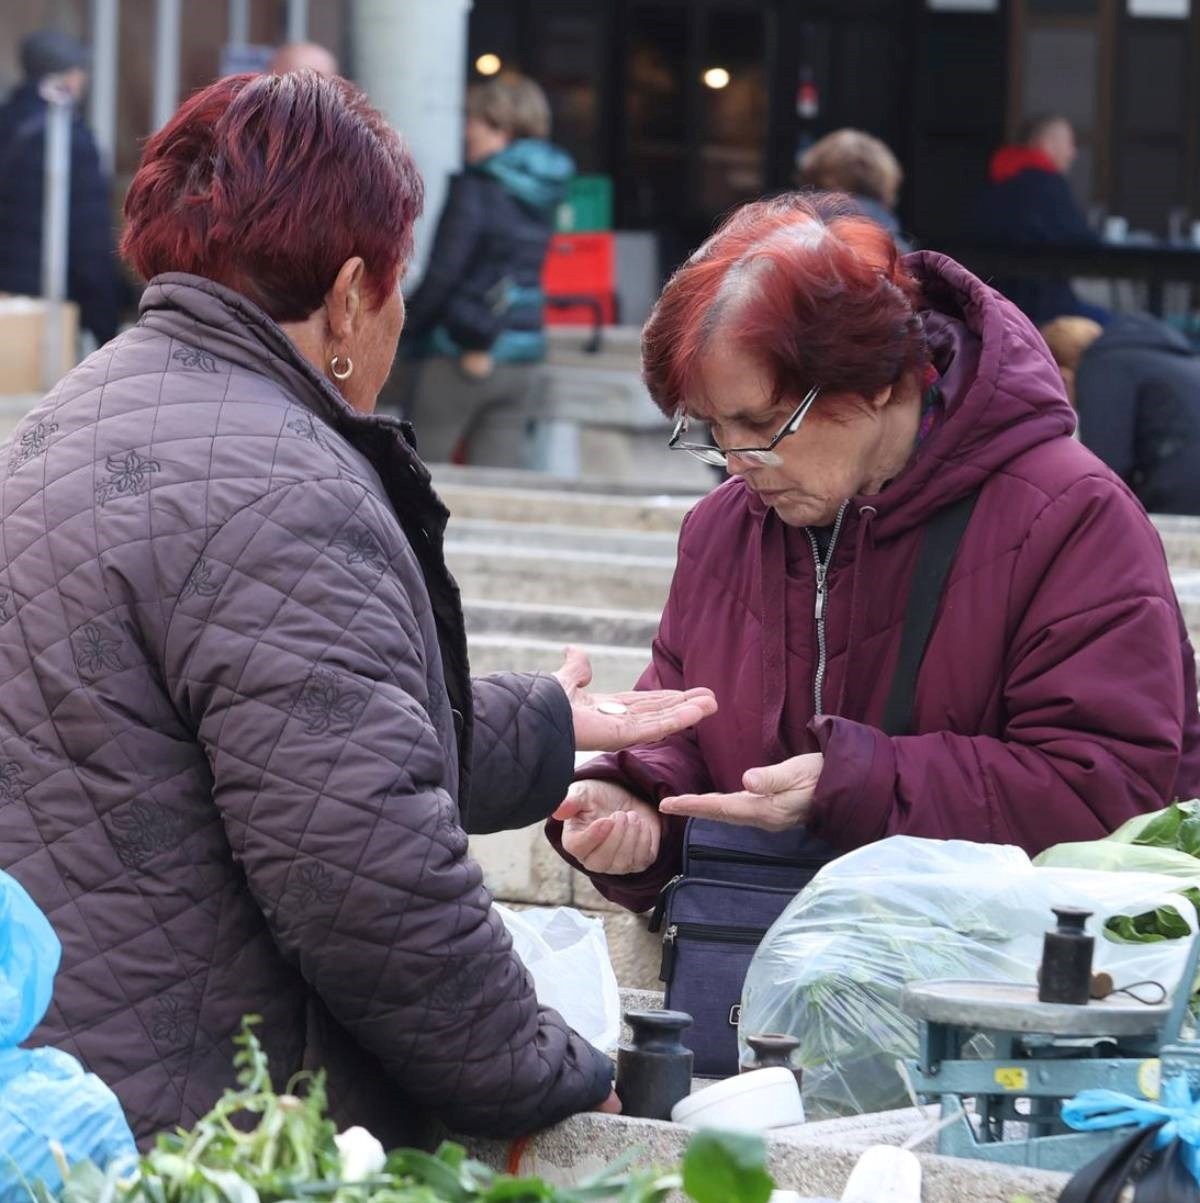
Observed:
{"x":818,"y":295}
{"x":268,"y":184}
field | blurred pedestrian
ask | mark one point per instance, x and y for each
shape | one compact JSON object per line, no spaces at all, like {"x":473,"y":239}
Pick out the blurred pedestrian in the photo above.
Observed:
{"x":862,"y":167}
{"x":1027,"y":202}
{"x":1136,"y":387}
{"x":56,"y":62}
{"x":303,"y":56}
{"x":474,"y":324}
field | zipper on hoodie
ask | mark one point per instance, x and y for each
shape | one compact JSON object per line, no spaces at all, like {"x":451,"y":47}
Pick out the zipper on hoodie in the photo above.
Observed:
{"x":822,"y":570}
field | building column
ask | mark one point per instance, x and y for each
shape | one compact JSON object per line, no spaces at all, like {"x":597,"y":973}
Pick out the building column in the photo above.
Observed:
{"x":103,"y":88}
{"x":410,"y":59}
{"x":167,"y":32}
{"x":297,"y":21}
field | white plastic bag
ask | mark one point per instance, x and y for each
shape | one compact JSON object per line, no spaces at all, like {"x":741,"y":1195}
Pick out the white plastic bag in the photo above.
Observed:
{"x":831,"y":969}
{"x":567,"y":955}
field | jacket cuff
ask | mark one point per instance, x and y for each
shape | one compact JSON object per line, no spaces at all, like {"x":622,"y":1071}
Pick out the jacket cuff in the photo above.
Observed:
{"x":853,"y":798}
{"x":556,"y":765}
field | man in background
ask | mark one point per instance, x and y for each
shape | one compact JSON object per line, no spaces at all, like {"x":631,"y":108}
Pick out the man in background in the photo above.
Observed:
{"x":1028,"y":201}
{"x":54,"y":61}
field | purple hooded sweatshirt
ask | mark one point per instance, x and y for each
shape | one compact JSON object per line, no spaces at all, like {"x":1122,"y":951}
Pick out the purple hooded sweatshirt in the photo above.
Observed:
{"x":1057,"y":696}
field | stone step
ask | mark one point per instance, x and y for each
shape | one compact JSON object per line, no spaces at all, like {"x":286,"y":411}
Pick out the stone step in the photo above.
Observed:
{"x":557,"y":537}
{"x":613,"y":668}
{"x":562,"y":624}
{"x":607,"y":510}
{"x":572,"y":578}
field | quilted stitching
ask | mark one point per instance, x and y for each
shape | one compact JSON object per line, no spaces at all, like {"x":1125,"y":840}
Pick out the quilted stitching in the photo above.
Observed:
{"x":229,"y":655}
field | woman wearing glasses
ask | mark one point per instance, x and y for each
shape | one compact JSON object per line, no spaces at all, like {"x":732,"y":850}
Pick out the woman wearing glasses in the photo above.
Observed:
{"x":861,"y":401}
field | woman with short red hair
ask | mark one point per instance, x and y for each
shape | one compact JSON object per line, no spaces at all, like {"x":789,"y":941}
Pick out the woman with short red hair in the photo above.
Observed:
{"x":904,"y":495}
{"x":237,"y":730}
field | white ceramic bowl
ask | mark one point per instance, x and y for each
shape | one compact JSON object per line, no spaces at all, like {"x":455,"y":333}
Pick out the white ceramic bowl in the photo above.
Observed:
{"x":750,"y":1102}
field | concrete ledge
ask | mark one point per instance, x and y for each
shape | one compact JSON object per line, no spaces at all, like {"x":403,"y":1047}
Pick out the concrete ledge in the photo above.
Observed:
{"x":810,"y":1159}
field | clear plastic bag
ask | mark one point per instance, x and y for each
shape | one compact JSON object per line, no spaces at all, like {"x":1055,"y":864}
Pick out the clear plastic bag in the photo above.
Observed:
{"x":831,"y":969}
{"x":567,"y":955}
{"x":45,"y":1094}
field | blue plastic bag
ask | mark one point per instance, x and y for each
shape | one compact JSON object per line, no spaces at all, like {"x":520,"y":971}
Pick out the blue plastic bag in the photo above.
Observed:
{"x":1177,"y":1113}
{"x":45,"y":1095}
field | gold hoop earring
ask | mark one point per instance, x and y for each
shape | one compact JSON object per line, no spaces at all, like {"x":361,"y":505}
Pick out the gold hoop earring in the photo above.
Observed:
{"x":341,"y":373}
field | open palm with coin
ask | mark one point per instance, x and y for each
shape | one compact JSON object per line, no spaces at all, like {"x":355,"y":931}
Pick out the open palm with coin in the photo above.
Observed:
{"x":608,"y":722}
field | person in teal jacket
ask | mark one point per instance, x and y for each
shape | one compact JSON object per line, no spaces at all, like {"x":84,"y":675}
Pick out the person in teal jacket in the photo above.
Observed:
{"x":474,"y":325}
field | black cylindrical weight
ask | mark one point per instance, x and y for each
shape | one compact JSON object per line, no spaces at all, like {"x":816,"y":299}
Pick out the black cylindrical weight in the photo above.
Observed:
{"x":1066,"y":972}
{"x":654,"y":1071}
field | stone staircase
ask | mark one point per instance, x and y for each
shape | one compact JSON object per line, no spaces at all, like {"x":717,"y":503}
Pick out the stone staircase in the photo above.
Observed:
{"x":543,"y":562}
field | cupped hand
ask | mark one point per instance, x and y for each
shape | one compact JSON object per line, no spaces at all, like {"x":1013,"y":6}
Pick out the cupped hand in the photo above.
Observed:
{"x":607,"y":829}
{"x":608,"y":722}
{"x":778,"y":797}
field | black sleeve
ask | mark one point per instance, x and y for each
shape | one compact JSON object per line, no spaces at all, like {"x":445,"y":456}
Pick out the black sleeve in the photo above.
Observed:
{"x":1066,"y":222}
{"x":454,"y":244}
{"x":91,"y":264}
{"x":1106,"y":395}
{"x":523,"y":754}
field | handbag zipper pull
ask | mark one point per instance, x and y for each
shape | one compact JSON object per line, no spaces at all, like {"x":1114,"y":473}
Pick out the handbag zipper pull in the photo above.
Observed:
{"x":660,"y":903}
{"x":667,"y":969}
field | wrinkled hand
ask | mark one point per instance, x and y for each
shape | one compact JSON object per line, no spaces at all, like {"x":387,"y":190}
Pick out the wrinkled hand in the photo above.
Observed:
{"x":607,"y":829}
{"x":776,"y":798}
{"x":649,"y":715}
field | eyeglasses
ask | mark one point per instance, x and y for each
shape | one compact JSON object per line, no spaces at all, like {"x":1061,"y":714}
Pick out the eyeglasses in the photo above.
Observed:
{"x":762,"y":456}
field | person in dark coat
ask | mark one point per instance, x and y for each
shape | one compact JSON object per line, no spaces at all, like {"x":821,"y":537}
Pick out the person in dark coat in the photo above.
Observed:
{"x":240,"y":746}
{"x":1135,"y":385}
{"x":1028,"y":201}
{"x":51,"y":59}
{"x":475,"y":321}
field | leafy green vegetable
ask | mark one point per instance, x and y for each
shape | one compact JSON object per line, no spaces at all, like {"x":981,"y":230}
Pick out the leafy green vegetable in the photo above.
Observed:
{"x":727,"y":1167}
{"x":289,"y":1155}
{"x":1178,"y":826}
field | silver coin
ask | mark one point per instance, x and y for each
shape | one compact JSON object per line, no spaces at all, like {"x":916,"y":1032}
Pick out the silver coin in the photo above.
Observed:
{"x":612,"y":708}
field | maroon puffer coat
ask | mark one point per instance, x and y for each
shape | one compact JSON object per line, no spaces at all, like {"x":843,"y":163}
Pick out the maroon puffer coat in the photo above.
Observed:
{"x":1057,"y":697}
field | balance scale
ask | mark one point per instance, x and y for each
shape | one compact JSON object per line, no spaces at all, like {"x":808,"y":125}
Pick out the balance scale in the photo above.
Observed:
{"x":1008,"y":1107}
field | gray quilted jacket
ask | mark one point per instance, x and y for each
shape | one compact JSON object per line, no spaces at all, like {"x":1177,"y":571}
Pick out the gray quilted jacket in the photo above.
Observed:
{"x":236,"y":735}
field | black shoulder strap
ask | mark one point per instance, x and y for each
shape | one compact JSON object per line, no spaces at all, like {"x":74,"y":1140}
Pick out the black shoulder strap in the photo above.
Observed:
{"x":940,"y":541}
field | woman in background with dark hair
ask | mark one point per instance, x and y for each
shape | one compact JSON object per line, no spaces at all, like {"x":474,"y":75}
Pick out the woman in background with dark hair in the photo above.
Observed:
{"x":237,"y":727}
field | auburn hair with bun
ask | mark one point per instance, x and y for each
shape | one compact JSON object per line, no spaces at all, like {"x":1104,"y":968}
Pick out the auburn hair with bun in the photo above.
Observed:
{"x":818,"y":295}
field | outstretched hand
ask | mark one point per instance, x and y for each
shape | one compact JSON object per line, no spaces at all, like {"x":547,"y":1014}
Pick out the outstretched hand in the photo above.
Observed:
{"x":776,"y":798}
{"x":608,"y":722}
